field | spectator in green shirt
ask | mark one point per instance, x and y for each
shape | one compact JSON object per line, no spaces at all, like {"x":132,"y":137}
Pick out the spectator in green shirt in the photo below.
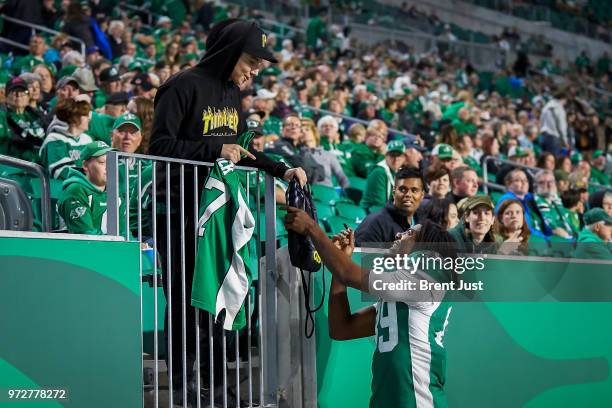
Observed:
{"x":574,"y":208}
{"x":21,"y":127}
{"x":463,"y":122}
{"x":62,"y":148}
{"x":465,"y":147}
{"x":582,"y":61}
{"x":356,"y":136}
{"x":549,"y":204}
{"x":37,"y":48}
{"x":316,"y":32}
{"x":366,"y":155}
{"x":594,"y":238}
{"x":598,"y":168}
{"x":329,"y":133}
{"x":380,"y":181}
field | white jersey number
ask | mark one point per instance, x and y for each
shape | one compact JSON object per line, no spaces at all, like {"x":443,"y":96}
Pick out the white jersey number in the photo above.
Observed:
{"x":387,"y":321}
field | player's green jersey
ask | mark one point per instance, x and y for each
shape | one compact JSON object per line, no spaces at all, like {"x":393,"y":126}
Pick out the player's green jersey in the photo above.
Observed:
{"x":409,"y":363}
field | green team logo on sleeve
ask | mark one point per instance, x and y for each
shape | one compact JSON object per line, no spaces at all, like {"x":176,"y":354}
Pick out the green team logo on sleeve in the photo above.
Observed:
{"x":77,"y":212}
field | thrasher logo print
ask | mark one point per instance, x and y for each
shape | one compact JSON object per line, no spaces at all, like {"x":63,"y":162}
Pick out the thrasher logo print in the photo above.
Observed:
{"x":214,"y":118}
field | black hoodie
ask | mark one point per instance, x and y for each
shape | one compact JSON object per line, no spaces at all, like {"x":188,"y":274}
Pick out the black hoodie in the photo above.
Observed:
{"x":198,"y":109}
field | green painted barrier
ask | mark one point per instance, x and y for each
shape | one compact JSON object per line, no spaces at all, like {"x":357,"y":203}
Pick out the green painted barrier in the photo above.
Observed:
{"x":550,"y":352}
{"x":70,"y":321}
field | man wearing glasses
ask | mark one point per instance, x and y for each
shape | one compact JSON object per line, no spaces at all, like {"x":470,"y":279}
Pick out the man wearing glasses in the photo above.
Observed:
{"x":549,"y":204}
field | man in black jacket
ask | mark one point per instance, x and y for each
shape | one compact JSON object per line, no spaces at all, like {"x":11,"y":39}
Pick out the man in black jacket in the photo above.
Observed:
{"x":198,"y":117}
{"x":398,"y":215}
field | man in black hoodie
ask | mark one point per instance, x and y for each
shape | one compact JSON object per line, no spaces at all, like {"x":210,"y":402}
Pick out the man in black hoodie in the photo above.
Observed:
{"x":198,"y":117}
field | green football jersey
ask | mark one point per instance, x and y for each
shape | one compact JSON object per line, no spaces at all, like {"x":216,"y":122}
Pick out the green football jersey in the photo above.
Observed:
{"x":409,"y":363}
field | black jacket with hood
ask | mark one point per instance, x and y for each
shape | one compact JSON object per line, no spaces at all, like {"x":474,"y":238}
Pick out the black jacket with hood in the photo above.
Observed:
{"x":198,"y":110}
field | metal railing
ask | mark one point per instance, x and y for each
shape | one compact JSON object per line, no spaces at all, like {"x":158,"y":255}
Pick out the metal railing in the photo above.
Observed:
{"x":560,"y":19}
{"x":36,"y":27}
{"x":483,"y":56}
{"x":144,"y":9}
{"x":14,"y":44}
{"x":173,"y":183}
{"x":356,"y":120}
{"x":45,"y":189}
{"x":485,"y":172}
{"x":281,"y":29}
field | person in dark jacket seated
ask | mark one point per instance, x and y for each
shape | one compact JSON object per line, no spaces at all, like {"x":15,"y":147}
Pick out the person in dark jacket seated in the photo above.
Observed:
{"x":397,"y":216}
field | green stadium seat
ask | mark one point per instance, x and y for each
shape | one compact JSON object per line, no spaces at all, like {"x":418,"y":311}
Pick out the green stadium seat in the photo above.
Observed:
{"x":358,"y":183}
{"x":495,"y":195}
{"x":336,"y":224}
{"x":355,"y":189}
{"x":354,"y":195}
{"x":324,"y":210}
{"x":350,"y":211}
{"x":325,"y":194}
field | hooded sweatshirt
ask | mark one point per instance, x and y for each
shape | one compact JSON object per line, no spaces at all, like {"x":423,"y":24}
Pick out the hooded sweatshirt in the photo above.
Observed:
{"x":379,"y":186}
{"x":198,"y":110}
{"x":61,"y":150}
{"x":82,"y":205}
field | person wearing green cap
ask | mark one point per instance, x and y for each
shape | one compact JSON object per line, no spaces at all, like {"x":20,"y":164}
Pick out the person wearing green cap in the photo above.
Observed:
{"x":127,"y":137}
{"x":82,"y":203}
{"x":366,"y":155}
{"x":594,"y":238}
{"x":562,"y":179}
{"x":576,"y":157}
{"x":380,"y":180}
{"x":598,"y":168}
{"x":444,"y":155}
{"x":475,"y":234}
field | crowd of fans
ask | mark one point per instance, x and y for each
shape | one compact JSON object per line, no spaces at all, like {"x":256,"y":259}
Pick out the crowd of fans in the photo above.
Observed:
{"x":373,"y":119}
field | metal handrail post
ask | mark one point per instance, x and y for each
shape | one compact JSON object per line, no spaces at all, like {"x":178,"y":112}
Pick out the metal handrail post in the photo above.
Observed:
{"x":112,"y":192}
{"x":269,"y":304}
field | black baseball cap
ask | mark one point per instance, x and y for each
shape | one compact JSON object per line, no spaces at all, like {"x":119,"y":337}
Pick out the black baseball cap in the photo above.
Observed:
{"x":256,"y":44}
{"x":16,"y":84}
{"x":110,"y":74}
{"x":118,"y":98}
{"x":144,"y":81}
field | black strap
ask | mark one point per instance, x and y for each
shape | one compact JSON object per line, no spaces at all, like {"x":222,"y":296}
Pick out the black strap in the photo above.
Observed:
{"x":306,"y":287}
